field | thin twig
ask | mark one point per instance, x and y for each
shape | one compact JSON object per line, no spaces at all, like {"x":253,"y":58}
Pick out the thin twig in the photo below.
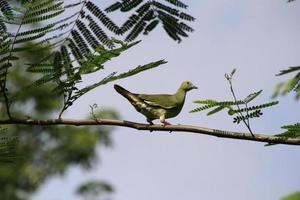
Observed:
{"x":155,"y":127}
{"x":229,"y":79}
{"x":3,"y":85}
{"x":240,"y":113}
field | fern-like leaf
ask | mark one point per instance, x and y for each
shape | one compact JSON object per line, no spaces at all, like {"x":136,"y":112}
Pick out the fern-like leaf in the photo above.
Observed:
{"x":214,"y":111}
{"x":291,"y":131}
{"x":41,"y":68}
{"x":138,"y":28}
{"x":129,"y":5}
{"x":102,"y":17}
{"x":185,"y":27}
{"x":177,"y":3}
{"x":213,"y":103}
{"x":37,"y":30}
{"x":73,"y":5}
{"x":95,"y":62}
{"x":255,"y":114}
{"x":6,"y":9}
{"x":133,"y":19}
{"x":253,"y":108}
{"x":39,"y":12}
{"x":38,"y":5}
{"x":8,"y":148}
{"x":93,"y":42}
{"x":42,"y":18}
{"x":30,"y":38}
{"x":75,"y":50}
{"x":292,"y":84}
{"x":83,"y":47}
{"x":289,"y":70}
{"x":114,"y":7}
{"x":100,"y":34}
{"x":150,"y":27}
{"x":3,"y":28}
{"x":113,"y":76}
{"x":252,"y":96}
{"x":144,"y":8}
{"x":67,"y":63}
{"x":7,"y":58}
{"x":149,"y":14}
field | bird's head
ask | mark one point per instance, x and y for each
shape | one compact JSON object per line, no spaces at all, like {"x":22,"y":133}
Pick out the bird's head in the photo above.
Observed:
{"x":187,"y":86}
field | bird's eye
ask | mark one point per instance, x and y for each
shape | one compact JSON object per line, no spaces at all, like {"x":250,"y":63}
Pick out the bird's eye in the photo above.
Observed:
{"x":188,"y":82}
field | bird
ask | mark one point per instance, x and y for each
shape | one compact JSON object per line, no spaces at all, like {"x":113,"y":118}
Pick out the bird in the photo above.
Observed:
{"x":158,"y":106}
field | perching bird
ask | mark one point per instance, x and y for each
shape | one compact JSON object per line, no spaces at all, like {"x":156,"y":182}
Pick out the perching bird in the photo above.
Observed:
{"x":158,"y":106}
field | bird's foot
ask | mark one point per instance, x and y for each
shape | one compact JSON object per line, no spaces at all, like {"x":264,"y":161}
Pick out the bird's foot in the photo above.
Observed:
{"x":166,"y":123}
{"x":150,"y":123}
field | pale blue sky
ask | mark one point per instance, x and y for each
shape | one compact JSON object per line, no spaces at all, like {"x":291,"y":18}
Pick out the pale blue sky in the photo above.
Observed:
{"x":257,"y":37}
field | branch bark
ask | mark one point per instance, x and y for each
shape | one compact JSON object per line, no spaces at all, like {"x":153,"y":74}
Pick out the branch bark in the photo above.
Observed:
{"x":170,"y":128}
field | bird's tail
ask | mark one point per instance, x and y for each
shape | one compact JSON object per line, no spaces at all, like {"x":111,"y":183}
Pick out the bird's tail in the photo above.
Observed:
{"x":125,"y":93}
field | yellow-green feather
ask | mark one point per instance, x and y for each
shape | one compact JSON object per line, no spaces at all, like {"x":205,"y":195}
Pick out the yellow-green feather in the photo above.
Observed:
{"x":156,"y":106}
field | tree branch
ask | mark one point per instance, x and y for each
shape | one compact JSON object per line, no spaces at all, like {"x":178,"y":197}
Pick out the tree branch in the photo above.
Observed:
{"x":139,"y":126}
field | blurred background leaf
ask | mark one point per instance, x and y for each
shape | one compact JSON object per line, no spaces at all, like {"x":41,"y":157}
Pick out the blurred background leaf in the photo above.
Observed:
{"x":293,"y":196}
{"x":94,"y":190}
{"x":45,"y":152}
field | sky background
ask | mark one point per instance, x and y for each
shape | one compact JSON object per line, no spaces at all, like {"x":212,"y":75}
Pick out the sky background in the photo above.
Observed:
{"x":259,"y":38}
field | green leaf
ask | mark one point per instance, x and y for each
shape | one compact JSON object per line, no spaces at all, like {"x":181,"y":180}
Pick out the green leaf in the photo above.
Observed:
{"x":289,"y":70}
{"x":42,"y":18}
{"x":177,"y":3}
{"x":114,"y":7}
{"x":291,"y":84}
{"x":253,"y":108}
{"x":151,"y":26}
{"x":129,"y":5}
{"x":113,"y":76}
{"x":102,"y":17}
{"x":8,"y":148}
{"x":252,"y":96}
{"x":217,"y":109}
{"x":277,"y":90}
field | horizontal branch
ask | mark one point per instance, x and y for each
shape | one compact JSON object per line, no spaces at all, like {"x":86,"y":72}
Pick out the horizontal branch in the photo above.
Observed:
{"x":156,"y":127}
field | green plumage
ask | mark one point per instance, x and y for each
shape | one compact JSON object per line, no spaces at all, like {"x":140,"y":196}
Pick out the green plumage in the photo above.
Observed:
{"x":158,"y":106}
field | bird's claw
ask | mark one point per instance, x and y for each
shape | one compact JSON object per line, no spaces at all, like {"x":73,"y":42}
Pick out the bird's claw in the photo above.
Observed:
{"x":150,"y":124}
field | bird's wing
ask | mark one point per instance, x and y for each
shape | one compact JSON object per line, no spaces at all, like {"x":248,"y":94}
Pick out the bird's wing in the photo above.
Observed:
{"x":164,"y":101}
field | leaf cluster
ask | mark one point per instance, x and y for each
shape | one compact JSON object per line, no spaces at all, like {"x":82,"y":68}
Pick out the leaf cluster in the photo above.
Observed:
{"x":291,"y":130}
{"x":239,"y":109}
{"x":293,"y":84}
{"x":148,"y":14}
{"x":78,"y":43}
{"x":94,"y":189}
{"x":44,"y":152}
{"x":8,"y":147}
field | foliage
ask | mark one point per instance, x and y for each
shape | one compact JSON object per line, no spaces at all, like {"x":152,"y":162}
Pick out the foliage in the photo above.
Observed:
{"x":43,"y":152}
{"x":78,"y":46}
{"x":44,"y":54}
{"x":293,"y":84}
{"x":294,"y":196}
{"x":238,"y":109}
{"x":7,"y":147}
{"x":94,"y":190}
{"x":148,"y":14}
{"x":291,"y":130}
{"x":248,"y":112}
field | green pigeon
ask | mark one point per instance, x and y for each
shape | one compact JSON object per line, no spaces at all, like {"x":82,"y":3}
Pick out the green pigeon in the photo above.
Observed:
{"x":158,"y":106}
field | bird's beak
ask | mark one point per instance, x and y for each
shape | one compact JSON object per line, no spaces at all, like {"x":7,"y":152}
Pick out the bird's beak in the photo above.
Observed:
{"x":194,"y":87}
